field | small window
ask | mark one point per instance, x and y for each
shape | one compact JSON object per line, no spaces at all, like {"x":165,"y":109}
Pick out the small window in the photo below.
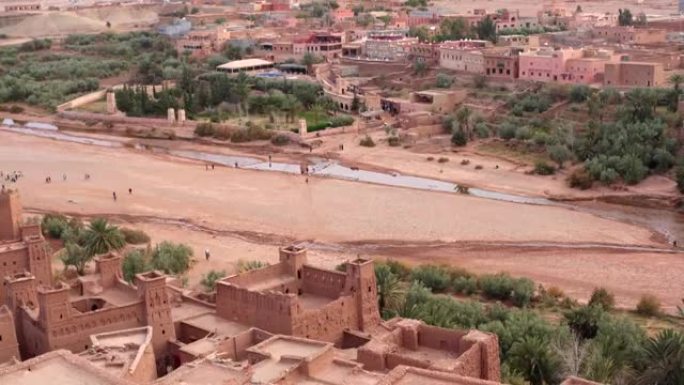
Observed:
{"x":0,"y":337}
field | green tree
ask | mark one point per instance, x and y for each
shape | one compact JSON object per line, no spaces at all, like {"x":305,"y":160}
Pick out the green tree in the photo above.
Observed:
{"x":171,"y":258}
{"x":533,"y":358}
{"x":390,"y":293}
{"x":134,"y":263}
{"x":463,"y":118}
{"x":663,"y":359}
{"x":486,"y":29}
{"x":209,"y":280}
{"x":584,"y":321}
{"x":559,"y":153}
{"x":421,"y":32}
{"x":625,"y":17}
{"x":100,"y":237}
{"x":76,"y":256}
{"x":420,"y":68}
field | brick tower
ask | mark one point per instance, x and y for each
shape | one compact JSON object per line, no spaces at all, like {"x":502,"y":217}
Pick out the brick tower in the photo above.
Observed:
{"x":10,"y":215}
{"x":361,"y":281}
{"x":157,"y":310}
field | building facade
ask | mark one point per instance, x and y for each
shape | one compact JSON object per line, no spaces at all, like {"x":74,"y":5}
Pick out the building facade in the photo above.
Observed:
{"x":634,"y":74}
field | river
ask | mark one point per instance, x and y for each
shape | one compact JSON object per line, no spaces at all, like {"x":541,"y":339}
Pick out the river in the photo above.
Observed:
{"x":667,"y":223}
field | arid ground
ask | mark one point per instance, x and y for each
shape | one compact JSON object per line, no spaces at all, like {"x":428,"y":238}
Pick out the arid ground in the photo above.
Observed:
{"x":243,"y":214}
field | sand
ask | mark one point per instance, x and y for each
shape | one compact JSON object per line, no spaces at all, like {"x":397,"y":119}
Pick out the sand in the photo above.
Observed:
{"x":274,"y":204}
{"x":241,"y":214}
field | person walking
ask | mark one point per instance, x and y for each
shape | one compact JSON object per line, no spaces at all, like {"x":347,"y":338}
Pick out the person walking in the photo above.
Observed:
{"x":114,"y":195}
{"x":130,"y":191}
{"x":206,"y":254}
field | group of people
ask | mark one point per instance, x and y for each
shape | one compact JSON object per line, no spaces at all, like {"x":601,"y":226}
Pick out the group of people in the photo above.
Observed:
{"x":11,"y":177}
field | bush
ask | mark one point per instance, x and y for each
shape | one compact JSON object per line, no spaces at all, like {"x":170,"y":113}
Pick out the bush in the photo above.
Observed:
{"x":54,"y":225}
{"x":341,"y":120}
{"x":499,"y":286}
{"x":543,"y":168}
{"x":209,"y":280}
{"x":401,"y":270}
{"x":465,"y":285}
{"x":134,"y":263}
{"x":523,"y":133}
{"x":523,"y":292}
{"x":205,"y":129}
{"x":171,"y":258}
{"x":433,"y":277}
{"x":394,"y":141}
{"x":648,"y":305}
{"x":459,"y":138}
{"x":579,"y":94}
{"x":481,"y":130}
{"x":602,"y":298}
{"x":443,"y":160}
{"x":367,"y":141}
{"x":507,"y":131}
{"x":580,"y":179}
{"x":443,"y":80}
{"x":585,"y":320}
{"x":280,"y":140}
{"x":135,"y":237}
{"x":243,"y":266}
{"x":16,"y":109}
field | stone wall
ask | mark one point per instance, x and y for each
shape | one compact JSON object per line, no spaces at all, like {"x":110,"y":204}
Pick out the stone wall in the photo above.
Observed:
{"x":9,"y":346}
{"x":327,"y":283}
{"x":328,"y":322}
{"x":269,"y":311}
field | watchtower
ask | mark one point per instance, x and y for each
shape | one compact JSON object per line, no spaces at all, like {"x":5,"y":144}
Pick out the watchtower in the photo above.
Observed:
{"x":157,"y":309}
{"x":10,"y":215}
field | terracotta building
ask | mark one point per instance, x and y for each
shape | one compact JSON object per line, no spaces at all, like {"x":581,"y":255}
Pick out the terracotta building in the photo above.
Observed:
{"x":9,"y":346}
{"x":502,"y":63}
{"x":294,"y":298}
{"x":22,"y":246}
{"x":634,"y":74}
{"x":630,"y":35}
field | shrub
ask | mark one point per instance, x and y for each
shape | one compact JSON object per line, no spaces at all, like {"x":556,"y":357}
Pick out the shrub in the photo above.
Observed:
{"x":243,"y":266}
{"x":280,"y":140}
{"x":16,"y":109}
{"x":367,"y":141}
{"x":443,"y":80}
{"x":209,"y":280}
{"x":579,"y":94}
{"x":543,"y":168}
{"x":459,"y":138}
{"x":585,"y":320}
{"x":523,"y":292}
{"x":465,"y":285}
{"x":341,"y":120}
{"x":481,"y":130}
{"x":401,"y":270}
{"x":394,"y":141}
{"x":135,"y":237}
{"x":602,"y":298}
{"x":171,"y":258}
{"x":432,"y":276}
{"x":54,"y":225}
{"x":648,"y":305}
{"x":580,"y":179}
{"x":205,"y":129}
{"x":443,"y":160}
{"x":499,"y":286}
{"x":523,"y":133}
{"x":134,"y":263}
{"x":507,"y":131}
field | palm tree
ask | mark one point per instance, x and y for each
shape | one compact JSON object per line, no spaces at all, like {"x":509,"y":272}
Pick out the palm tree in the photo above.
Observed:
{"x":390,"y":294}
{"x":101,"y":238}
{"x":663,"y":359}
{"x":533,"y":358}
{"x":676,"y":80}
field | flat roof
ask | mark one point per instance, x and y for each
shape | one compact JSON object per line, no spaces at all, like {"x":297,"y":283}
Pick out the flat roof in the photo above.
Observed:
{"x":215,"y":324}
{"x":245,"y":63}
{"x":59,"y":367}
